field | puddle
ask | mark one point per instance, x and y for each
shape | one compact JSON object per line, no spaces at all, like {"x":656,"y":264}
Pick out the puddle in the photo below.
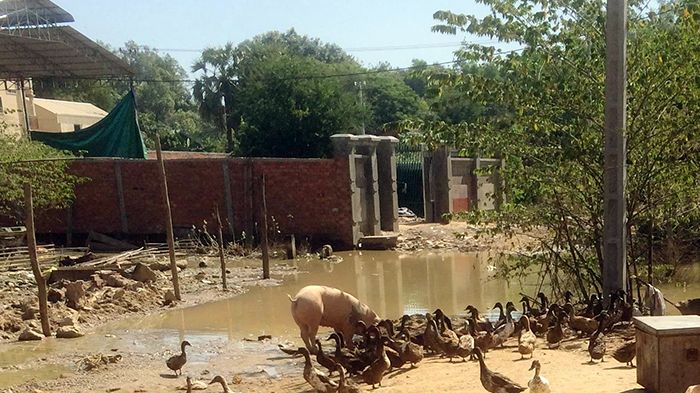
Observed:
{"x":390,"y":283}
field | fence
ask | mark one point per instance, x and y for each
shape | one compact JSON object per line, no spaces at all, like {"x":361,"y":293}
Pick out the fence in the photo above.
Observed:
{"x":409,"y":176}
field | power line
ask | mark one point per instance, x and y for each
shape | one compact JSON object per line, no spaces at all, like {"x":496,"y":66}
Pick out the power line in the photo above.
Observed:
{"x":301,"y":77}
{"x":362,"y":48}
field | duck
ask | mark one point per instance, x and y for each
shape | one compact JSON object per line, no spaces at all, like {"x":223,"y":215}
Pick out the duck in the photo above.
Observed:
{"x":482,"y":324}
{"x":445,"y":326}
{"x":345,"y":357}
{"x":388,"y":327}
{"x":555,"y":333}
{"x":527,"y":339}
{"x":503,"y":332}
{"x":410,"y":352}
{"x":222,"y":381}
{"x":482,"y":340}
{"x":176,"y":362}
{"x":318,"y":381}
{"x":430,"y":342}
{"x":344,"y":385}
{"x":501,"y":315}
{"x":393,"y":351}
{"x":538,"y":383}
{"x":596,"y":345}
{"x":544,"y":305}
{"x":568,"y":295}
{"x":450,"y":347}
{"x":626,"y":352}
{"x":626,"y":307}
{"x":324,"y":360}
{"x":374,"y":373}
{"x":580,"y":323}
{"x":493,"y":381}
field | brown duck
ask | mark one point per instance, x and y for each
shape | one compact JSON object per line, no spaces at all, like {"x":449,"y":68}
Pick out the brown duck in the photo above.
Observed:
{"x":626,"y":352}
{"x":345,"y":357}
{"x":344,"y":385}
{"x":374,"y":374}
{"x":176,"y":362}
{"x":324,"y":360}
{"x":596,"y":345}
{"x":555,"y":333}
{"x":318,"y":381}
{"x":579,"y":323}
{"x":410,"y":352}
{"x":493,"y":381}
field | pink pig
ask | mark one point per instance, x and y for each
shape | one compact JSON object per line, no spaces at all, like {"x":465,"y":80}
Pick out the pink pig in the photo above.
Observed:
{"x":316,"y":305}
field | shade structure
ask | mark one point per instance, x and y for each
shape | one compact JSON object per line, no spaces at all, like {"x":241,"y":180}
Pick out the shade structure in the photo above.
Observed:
{"x":24,"y":13}
{"x":58,"y":51}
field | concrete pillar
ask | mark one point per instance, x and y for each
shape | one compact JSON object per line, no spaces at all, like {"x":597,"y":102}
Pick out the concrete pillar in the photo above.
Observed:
{"x":388,"y":197}
{"x":437,"y":186}
{"x":367,"y":147}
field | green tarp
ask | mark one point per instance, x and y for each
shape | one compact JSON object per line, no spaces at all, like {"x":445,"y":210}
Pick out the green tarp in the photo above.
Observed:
{"x":116,"y":135}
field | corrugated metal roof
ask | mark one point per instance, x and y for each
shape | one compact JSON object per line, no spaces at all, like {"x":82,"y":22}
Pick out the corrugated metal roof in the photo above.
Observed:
{"x":18,"y":13}
{"x":67,"y":53}
{"x":69,"y":108}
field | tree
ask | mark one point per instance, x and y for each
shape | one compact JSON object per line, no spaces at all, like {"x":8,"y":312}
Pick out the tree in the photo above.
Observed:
{"x":278,"y":84}
{"x":25,"y":161}
{"x":298,"y":114}
{"x":390,"y":100}
{"x":549,"y":126}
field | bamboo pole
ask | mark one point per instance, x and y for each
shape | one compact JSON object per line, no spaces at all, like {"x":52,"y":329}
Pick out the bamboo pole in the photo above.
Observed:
{"x":264,"y":244}
{"x":31,"y":244}
{"x":222,"y":259}
{"x":168,"y":219}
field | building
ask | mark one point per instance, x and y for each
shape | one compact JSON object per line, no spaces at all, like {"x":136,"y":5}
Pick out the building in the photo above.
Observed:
{"x":43,"y":114}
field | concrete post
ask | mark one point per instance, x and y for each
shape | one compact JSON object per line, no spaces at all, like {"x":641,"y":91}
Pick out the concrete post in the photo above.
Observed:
{"x":388,"y":197}
{"x":438,"y":200}
{"x":367,"y":146}
{"x":344,"y":150}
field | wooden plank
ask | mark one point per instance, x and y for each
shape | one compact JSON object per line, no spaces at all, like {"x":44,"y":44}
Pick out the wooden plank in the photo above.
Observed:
{"x":168,"y":220}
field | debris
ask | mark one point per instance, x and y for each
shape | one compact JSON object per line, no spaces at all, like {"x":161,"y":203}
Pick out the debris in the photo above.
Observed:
{"x":68,"y":320}
{"x":95,"y":361}
{"x":74,"y":293}
{"x":30,"y":335}
{"x":68,"y":332}
{"x":203,"y":263}
{"x":264,"y":337}
{"x":30,"y":312}
{"x":143,"y":273}
{"x":55,"y":295}
{"x":114,"y":279}
{"x":72,"y":261}
{"x":326,"y":251}
{"x":169,"y":297}
{"x":101,"y":242}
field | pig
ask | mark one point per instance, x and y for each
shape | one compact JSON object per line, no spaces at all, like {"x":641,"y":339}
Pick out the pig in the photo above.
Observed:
{"x":316,"y":305}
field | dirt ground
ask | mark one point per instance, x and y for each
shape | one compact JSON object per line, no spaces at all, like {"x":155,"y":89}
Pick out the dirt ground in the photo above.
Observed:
{"x":568,"y":370}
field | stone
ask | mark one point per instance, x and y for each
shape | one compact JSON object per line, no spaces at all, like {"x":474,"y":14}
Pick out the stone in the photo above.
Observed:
{"x":69,"y":332}
{"x":30,"y":313}
{"x":143,"y":273}
{"x":68,"y":320}
{"x":118,"y":294}
{"x":30,"y":335}
{"x":74,"y":294}
{"x":203,"y":263}
{"x":55,"y":295}
{"x":200,"y":275}
{"x":115,"y":280}
{"x":169,"y":297}
{"x":97,"y":281}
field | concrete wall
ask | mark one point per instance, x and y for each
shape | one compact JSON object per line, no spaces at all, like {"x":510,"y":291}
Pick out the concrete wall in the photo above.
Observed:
{"x":305,"y":197}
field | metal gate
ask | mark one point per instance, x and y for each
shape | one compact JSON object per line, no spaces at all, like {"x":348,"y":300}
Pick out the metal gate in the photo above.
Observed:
{"x":409,"y":177}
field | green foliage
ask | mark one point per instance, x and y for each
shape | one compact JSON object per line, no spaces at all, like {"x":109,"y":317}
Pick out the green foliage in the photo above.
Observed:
{"x":298,"y":114}
{"x":390,"y":101}
{"x":53,"y":186}
{"x":275,"y":94}
{"x":545,"y":117}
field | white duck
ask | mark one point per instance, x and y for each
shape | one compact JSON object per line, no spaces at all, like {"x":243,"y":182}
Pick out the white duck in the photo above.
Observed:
{"x":538,"y":383}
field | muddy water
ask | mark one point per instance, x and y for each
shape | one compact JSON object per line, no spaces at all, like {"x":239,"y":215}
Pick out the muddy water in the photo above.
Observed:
{"x":392,"y":284}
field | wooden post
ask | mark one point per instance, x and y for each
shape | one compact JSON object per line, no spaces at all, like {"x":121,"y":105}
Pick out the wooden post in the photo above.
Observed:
{"x":31,"y":245}
{"x":615,"y":151}
{"x":222,"y":259}
{"x":263,"y":228}
{"x":168,"y":219}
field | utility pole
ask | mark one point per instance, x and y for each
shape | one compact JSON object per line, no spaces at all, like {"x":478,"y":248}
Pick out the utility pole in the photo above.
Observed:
{"x":615,"y":153}
{"x":360,"y":85}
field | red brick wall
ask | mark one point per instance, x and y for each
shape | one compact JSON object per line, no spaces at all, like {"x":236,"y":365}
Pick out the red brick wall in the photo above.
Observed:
{"x":305,"y":196}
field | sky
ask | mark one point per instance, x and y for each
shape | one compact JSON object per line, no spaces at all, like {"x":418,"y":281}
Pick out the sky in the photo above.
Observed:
{"x":370,"y":30}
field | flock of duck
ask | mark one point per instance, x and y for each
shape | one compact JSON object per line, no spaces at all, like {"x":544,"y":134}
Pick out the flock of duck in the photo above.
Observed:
{"x":376,"y":349}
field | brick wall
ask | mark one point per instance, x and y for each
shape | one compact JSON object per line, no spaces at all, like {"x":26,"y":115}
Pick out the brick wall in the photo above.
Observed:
{"x":305,"y":196}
